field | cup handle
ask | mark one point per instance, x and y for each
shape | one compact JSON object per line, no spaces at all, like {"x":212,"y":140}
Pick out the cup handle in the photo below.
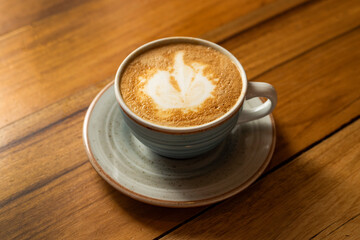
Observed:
{"x":259,"y":89}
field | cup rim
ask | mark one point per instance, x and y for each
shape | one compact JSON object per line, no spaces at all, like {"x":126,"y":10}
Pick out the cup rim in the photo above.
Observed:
{"x":168,"y":129}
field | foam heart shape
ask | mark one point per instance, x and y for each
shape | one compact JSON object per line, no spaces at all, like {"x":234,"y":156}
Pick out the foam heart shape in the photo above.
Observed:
{"x":183,"y":86}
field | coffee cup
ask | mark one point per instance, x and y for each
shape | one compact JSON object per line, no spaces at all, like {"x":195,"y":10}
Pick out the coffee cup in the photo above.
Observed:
{"x":181,"y":96}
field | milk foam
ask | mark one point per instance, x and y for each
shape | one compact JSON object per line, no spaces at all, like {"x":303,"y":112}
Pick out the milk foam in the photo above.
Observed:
{"x":183,"y":86}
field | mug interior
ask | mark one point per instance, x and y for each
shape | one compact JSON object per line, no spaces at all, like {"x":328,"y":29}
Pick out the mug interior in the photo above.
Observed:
{"x":192,"y":129}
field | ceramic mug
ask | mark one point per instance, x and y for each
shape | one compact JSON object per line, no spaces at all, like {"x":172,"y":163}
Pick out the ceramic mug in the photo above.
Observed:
{"x":187,"y":142}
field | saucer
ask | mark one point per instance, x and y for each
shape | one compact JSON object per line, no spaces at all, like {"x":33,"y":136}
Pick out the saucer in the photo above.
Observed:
{"x":133,"y":169}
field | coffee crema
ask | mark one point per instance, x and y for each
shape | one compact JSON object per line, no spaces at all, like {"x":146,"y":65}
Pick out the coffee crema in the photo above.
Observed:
{"x":181,"y":85}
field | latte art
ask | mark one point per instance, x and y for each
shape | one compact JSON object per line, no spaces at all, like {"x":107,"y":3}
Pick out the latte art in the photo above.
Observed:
{"x":182,"y":86}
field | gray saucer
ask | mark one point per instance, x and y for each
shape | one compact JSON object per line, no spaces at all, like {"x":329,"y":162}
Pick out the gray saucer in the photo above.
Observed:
{"x":133,"y":169}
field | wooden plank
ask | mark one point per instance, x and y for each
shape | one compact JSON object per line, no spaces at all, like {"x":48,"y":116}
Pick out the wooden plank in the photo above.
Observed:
{"x":52,"y":57}
{"x":267,"y":11}
{"x":348,"y":228}
{"x":17,"y":13}
{"x":58,"y":186}
{"x":276,"y":41}
{"x":315,"y":196}
{"x":254,"y":48}
{"x":25,"y":128}
{"x":318,"y":94}
{"x":14,"y":159}
{"x":64,"y":209}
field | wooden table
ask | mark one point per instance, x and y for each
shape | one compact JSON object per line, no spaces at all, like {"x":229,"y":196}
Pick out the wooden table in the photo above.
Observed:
{"x":55,"y":56}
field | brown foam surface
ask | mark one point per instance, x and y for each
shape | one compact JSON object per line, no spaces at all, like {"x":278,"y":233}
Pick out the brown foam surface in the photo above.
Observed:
{"x":219,"y":69}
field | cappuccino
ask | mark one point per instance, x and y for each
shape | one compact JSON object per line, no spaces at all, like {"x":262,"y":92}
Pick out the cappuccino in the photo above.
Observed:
{"x":181,"y":85}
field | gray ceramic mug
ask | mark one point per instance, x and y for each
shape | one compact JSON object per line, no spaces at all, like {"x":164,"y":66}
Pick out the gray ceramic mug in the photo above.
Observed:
{"x":187,"y":142}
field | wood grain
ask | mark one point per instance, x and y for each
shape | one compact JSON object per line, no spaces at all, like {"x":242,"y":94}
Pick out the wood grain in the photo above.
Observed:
{"x":254,"y":49}
{"x":16,"y":14}
{"x":276,"y":41}
{"x":51,"y":56}
{"x":64,"y":209}
{"x":318,"y":190}
{"x":54,"y":128}
{"x":236,"y":26}
{"x":318,"y":94}
{"x":49,"y":190}
{"x":345,"y":228}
